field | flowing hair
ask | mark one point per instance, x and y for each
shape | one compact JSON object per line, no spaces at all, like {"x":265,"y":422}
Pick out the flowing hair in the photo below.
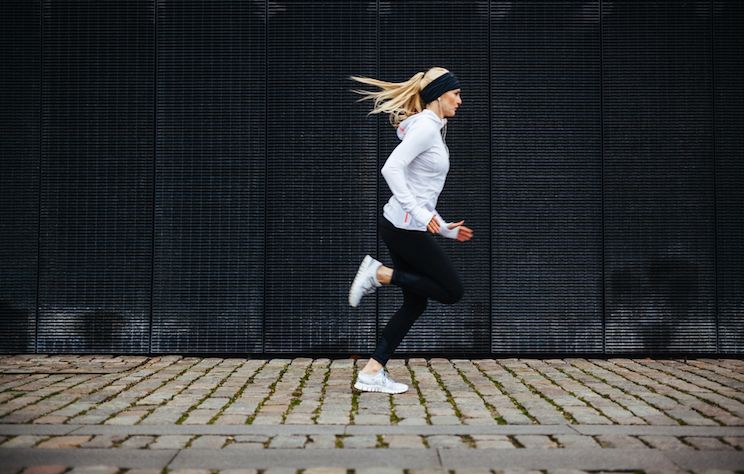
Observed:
{"x":398,"y":99}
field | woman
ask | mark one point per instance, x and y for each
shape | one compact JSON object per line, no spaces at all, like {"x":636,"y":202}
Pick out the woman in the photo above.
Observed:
{"x":415,"y":172}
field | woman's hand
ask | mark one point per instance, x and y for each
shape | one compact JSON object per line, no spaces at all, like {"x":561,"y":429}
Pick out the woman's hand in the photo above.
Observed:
{"x":464,"y":233}
{"x":433,"y":225}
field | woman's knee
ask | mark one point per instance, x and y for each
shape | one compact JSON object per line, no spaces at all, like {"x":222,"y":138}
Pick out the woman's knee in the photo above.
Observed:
{"x":415,"y":303}
{"x":455,"y":292}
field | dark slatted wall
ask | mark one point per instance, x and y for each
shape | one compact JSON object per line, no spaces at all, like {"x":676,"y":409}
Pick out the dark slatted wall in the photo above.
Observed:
{"x":416,"y":35}
{"x":658,"y":160}
{"x":96,"y":180}
{"x":197,"y":176}
{"x":209,"y":177}
{"x":20,"y":57}
{"x":321,"y":175}
{"x":728,"y":42}
{"x":546,"y":177}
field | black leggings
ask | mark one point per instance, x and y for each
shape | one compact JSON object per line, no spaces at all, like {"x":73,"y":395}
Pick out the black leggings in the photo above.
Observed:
{"x":422,"y":270}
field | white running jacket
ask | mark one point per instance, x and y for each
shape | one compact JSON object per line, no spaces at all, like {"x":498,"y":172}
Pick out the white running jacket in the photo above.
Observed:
{"x":416,"y":171}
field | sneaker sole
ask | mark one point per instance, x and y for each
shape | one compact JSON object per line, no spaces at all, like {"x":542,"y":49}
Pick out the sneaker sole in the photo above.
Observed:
{"x":358,"y":278}
{"x":374,"y":388}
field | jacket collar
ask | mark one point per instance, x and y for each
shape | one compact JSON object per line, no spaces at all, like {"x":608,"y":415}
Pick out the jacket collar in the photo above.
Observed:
{"x":441,"y":122}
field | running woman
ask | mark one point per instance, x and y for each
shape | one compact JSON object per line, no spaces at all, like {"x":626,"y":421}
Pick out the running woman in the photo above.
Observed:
{"x":415,"y":172}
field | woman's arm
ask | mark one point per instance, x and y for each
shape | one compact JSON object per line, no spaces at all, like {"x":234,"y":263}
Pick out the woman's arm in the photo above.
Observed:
{"x":415,"y":142}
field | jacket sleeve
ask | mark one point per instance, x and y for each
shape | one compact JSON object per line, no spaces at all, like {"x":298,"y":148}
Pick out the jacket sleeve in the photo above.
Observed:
{"x":445,"y":231}
{"x":414,"y":143}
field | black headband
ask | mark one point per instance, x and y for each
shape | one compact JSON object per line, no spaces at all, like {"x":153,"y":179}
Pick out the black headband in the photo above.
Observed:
{"x":440,"y":85}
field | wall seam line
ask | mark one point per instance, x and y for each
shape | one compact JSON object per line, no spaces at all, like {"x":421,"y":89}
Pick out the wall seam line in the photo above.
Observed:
{"x":602,"y":175}
{"x":39,"y":180}
{"x":715,"y":193}
{"x":154,"y":166}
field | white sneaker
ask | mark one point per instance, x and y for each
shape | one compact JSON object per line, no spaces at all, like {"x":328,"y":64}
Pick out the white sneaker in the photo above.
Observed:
{"x":380,"y":382}
{"x":365,"y":281}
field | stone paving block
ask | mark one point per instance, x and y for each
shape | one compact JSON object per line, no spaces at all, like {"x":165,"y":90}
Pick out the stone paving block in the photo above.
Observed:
{"x":516,"y":471}
{"x":320,"y":441}
{"x":209,"y":441}
{"x":237,"y":471}
{"x":576,"y":441}
{"x":372,"y":420}
{"x":620,"y":442}
{"x":231,"y":420}
{"x":360,"y":441}
{"x":253,"y":438}
{"x":288,"y":441}
{"x":493,"y":441}
{"x":415,"y":421}
{"x":190,"y":471}
{"x":246,"y":446}
{"x":403,"y":441}
{"x":56,"y":442}
{"x":446,"y":441}
{"x":325,"y":470}
{"x":171,"y":442}
{"x":706,"y":442}
{"x":45,"y":469}
{"x":200,"y":417}
{"x":23,"y":441}
{"x":378,"y":470}
{"x":103,"y":441}
{"x":664,"y":442}
{"x":137,"y":441}
{"x":735,"y":441}
{"x":144,"y":471}
{"x":99,"y":469}
{"x":473,"y":470}
{"x":535,"y":441}
{"x":445,"y":420}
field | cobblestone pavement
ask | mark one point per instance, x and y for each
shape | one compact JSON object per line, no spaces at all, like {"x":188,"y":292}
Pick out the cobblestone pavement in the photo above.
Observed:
{"x":150,"y":415}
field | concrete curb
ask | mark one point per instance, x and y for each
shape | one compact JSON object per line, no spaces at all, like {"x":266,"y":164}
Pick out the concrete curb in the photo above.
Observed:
{"x":227,"y":430}
{"x":448,"y":458}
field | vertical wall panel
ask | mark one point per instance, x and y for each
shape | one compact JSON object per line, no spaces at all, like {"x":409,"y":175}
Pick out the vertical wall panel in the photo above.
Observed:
{"x":20,"y":57}
{"x":659,"y":215}
{"x":728,"y":35}
{"x":198,"y":173}
{"x":546,"y":177}
{"x":96,"y":188}
{"x":209,"y":179}
{"x":414,"y":36}
{"x":320,"y":212}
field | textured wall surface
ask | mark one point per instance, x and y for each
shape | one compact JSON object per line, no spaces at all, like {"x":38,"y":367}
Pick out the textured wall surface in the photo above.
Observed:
{"x":197,"y":177}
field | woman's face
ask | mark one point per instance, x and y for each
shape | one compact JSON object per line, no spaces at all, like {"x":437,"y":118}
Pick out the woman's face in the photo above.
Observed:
{"x":449,"y":102}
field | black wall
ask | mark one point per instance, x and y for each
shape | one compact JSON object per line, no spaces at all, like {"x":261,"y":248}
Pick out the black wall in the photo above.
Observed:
{"x":197,"y":176}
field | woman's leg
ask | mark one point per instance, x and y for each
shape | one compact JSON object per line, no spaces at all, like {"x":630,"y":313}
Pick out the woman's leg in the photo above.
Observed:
{"x":427,"y":270}
{"x":406,"y":247}
{"x":400,"y":323}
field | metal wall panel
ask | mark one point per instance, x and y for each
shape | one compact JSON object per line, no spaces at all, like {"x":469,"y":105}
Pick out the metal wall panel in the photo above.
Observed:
{"x":209,"y":177}
{"x":96,"y":177}
{"x":658,"y":159}
{"x":546,"y":177}
{"x":20,"y":56}
{"x":414,"y":36}
{"x":728,"y":44}
{"x":321,"y":175}
{"x":199,"y":172}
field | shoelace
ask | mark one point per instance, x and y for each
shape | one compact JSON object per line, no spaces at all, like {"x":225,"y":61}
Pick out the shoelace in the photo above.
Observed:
{"x":385,"y":377}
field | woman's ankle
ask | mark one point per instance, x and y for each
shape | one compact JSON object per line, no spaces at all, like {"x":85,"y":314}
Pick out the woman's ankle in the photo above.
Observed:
{"x":372,"y":367}
{"x":384,"y":274}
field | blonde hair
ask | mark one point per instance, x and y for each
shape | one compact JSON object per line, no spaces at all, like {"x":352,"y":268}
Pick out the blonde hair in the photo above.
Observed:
{"x":399,"y":99}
